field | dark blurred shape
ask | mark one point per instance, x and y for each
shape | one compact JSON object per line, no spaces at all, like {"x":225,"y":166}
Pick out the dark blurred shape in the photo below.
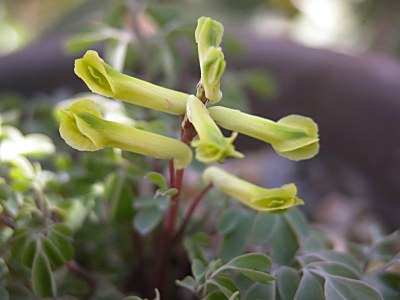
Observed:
{"x":40,"y":67}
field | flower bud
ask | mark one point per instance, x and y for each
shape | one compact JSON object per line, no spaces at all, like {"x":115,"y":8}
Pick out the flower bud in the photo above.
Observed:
{"x":294,"y":137}
{"x":276,"y":200}
{"x":102,"y":79}
{"x":208,"y":37}
{"x":84,"y":128}
{"x":213,"y":68}
{"x":208,"y":34}
{"x":212,"y":145}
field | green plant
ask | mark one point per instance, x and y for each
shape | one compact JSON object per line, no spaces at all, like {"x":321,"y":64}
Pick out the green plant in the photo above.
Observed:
{"x":95,"y":212}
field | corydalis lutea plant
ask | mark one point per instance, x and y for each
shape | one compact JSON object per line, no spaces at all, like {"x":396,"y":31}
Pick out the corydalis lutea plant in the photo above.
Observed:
{"x":83,"y":128}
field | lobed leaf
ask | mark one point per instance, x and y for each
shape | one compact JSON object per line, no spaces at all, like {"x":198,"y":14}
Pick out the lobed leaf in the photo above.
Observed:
{"x":254,"y":261}
{"x":337,"y":288}
{"x":309,"y":288}
{"x":288,"y":280}
{"x":42,"y":279}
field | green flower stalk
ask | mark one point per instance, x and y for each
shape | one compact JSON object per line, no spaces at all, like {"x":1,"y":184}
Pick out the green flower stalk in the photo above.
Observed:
{"x":102,"y":79}
{"x":84,"y":128}
{"x":276,"y":200}
{"x":212,"y":145}
{"x":208,"y":37}
{"x":294,"y":137}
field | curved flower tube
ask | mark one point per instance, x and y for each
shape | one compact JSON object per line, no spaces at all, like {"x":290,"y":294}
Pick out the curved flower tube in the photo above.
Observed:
{"x":102,"y":79}
{"x":294,"y":137}
{"x":84,"y":128}
{"x":212,"y":145}
{"x":276,"y":200}
{"x":208,"y":37}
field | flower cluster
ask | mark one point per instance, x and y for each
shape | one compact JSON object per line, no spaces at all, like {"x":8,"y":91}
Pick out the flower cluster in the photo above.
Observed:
{"x":83,"y":127}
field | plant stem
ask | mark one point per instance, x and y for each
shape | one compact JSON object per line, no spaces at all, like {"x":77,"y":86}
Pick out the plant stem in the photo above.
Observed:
{"x":196,"y":200}
{"x":169,"y":225}
{"x":171,"y":173}
{"x":188,"y":132}
{"x":7,"y":221}
{"x":82,"y":273}
{"x":176,"y":179}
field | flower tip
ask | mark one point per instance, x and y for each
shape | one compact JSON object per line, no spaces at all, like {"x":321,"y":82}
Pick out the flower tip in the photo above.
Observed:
{"x":304,"y":143}
{"x":92,"y":70}
{"x":208,"y":32}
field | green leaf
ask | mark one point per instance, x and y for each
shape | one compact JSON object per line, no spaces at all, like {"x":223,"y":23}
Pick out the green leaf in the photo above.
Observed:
{"x":288,"y":281}
{"x":337,"y":288}
{"x":262,"y":228}
{"x":215,"y":295}
{"x":53,"y":253}
{"x":5,"y":190}
{"x":334,"y":268}
{"x":188,"y":282}
{"x":119,"y":192}
{"x":234,"y":242}
{"x":260,"y":292}
{"x":61,"y":236}
{"x":309,"y":288}
{"x":388,"y":284}
{"x":42,"y":280}
{"x":284,"y":243}
{"x":63,"y":229}
{"x":333,"y":256}
{"x":29,"y":253}
{"x":298,"y":223}
{"x":147,"y":219}
{"x":20,"y":237}
{"x":224,"y":284}
{"x":198,"y":268}
{"x":255,"y":275}
{"x":158,"y":179}
{"x":228,"y":220}
{"x":254,"y":261}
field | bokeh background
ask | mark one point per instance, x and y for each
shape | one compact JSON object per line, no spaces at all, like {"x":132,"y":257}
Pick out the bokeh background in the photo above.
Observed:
{"x":334,"y":60}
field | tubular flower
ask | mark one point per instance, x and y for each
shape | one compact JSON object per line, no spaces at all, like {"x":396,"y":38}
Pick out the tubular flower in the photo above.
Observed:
{"x":102,"y":79}
{"x":276,"y":200}
{"x":208,"y":37}
{"x":212,"y":145}
{"x":84,"y":128}
{"x":294,"y":137}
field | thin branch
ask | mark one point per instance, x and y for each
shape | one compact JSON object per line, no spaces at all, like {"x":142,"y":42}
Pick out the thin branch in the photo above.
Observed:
{"x":194,"y":203}
{"x":7,"y":221}
{"x":82,"y":273}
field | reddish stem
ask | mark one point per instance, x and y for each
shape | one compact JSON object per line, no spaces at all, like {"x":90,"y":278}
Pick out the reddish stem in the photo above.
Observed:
{"x":188,"y":132}
{"x":171,"y":173}
{"x":82,"y":273}
{"x":194,"y":203}
{"x":172,"y":213}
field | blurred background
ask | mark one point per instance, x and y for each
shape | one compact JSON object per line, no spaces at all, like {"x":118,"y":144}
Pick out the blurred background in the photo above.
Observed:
{"x":336,"y":61}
